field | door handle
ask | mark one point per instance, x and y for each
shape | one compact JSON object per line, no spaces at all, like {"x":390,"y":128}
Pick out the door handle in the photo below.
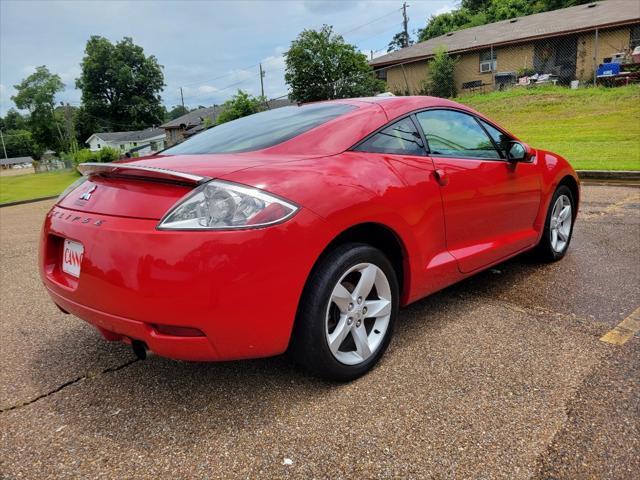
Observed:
{"x":441,"y":177}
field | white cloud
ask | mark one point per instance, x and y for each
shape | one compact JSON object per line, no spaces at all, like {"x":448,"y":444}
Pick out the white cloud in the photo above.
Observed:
{"x":207,"y":89}
{"x":444,"y":9}
{"x":69,"y":76}
{"x":205,"y":47}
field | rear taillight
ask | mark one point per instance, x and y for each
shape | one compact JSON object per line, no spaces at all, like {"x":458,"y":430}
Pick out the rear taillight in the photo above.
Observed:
{"x":220,"y":205}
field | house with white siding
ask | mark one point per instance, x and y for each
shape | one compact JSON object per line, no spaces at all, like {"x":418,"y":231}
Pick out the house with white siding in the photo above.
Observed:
{"x":144,"y":142}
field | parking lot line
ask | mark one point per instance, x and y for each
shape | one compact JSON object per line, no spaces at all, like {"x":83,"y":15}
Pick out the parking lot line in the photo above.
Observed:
{"x":626,"y":329}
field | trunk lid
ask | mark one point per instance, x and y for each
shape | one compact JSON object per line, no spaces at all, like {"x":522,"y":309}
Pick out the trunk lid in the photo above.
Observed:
{"x":148,"y":188}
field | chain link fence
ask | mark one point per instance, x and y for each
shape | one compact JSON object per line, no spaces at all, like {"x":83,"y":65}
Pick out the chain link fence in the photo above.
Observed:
{"x":608,"y":57}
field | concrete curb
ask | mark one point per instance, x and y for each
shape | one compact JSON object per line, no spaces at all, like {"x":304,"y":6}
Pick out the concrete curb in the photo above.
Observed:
{"x":609,"y":174}
{"x":31,"y":200}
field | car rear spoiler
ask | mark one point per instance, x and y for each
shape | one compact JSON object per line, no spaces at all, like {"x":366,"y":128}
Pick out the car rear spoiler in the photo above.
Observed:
{"x":140,"y":172}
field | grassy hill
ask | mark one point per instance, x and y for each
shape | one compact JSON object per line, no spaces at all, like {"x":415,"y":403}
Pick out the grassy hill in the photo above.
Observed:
{"x":594,"y":128}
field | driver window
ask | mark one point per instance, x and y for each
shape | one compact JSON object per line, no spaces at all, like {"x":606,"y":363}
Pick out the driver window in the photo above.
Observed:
{"x":455,"y":134}
{"x":400,"y":138}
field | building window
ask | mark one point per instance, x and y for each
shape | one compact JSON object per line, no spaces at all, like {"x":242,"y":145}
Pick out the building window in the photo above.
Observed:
{"x":122,"y":147}
{"x":381,"y":74}
{"x":487,"y":63}
{"x":135,"y":144}
{"x":98,"y":145}
{"x":635,"y":37}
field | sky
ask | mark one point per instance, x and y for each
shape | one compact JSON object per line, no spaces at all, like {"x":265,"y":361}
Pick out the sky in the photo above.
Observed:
{"x":209,"y":48}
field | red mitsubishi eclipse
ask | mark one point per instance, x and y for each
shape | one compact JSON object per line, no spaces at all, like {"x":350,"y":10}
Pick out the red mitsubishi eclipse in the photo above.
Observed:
{"x":303,"y":229}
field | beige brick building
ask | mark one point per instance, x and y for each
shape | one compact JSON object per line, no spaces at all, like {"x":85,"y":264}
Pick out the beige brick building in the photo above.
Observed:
{"x":569,"y":43}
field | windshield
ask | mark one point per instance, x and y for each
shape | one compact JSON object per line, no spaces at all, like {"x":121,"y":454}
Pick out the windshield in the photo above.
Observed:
{"x":260,"y":130}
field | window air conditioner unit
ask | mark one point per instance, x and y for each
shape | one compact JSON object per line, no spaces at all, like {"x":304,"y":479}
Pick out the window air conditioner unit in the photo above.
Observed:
{"x":485,"y":66}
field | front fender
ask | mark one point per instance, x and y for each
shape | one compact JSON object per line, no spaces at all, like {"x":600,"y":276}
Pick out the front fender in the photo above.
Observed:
{"x":555,"y":169}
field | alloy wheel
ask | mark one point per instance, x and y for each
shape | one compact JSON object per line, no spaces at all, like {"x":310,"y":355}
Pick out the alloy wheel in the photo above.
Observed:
{"x":358,"y":314}
{"x":560,"y":226}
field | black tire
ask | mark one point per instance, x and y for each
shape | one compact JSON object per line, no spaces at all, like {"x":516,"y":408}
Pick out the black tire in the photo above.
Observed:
{"x":544,"y":252}
{"x":309,"y":346}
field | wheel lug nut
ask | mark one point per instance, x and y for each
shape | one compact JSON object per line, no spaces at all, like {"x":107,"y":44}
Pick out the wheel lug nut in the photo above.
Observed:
{"x":359,"y":300}
{"x":349,"y":320}
{"x":364,"y":310}
{"x":358,"y":323}
{"x":351,"y":306}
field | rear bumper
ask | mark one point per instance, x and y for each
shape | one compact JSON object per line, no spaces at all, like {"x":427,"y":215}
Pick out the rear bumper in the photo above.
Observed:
{"x":239,"y":288}
{"x":115,"y":328}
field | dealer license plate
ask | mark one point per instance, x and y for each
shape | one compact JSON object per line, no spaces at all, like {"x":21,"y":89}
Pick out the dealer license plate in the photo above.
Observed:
{"x":72,"y":257}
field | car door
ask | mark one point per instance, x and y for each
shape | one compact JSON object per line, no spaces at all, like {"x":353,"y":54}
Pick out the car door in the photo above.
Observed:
{"x":490,"y":204}
{"x":414,"y":197}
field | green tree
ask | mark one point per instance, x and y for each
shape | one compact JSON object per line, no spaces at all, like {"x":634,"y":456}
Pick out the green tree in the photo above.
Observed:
{"x":475,"y":6}
{"x":84,"y":125}
{"x":240,"y":105}
{"x":444,"y":23}
{"x":399,"y":40}
{"x":472,"y":13}
{"x":176,"y":112}
{"x":19,"y":143}
{"x":13,"y":120}
{"x":441,"y":82}
{"x":120,"y":85}
{"x":320,"y":65}
{"x":37,"y":93}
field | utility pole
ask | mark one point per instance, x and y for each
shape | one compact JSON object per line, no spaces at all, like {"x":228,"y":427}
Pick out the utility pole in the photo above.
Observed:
{"x":3,"y":147}
{"x":405,"y":25}
{"x":261,"y":80}
{"x":181,"y":97}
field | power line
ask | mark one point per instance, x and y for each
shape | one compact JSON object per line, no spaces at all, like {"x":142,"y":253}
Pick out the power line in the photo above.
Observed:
{"x":201,"y":82}
{"x":372,"y":21}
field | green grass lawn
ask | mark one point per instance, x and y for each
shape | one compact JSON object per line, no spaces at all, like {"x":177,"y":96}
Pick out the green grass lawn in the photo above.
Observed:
{"x":594,"y":128}
{"x":35,"y":185}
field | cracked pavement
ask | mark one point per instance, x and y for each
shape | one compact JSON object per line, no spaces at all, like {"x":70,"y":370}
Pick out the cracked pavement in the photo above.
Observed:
{"x":501,"y":376}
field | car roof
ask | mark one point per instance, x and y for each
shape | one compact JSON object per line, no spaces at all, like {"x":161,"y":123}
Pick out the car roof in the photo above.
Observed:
{"x":399,"y":105}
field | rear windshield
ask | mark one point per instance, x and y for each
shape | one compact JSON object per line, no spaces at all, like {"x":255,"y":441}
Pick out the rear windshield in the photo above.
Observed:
{"x":260,"y":130}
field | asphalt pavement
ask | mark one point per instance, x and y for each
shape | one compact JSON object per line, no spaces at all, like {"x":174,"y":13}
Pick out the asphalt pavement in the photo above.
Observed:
{"x":504,"y":375}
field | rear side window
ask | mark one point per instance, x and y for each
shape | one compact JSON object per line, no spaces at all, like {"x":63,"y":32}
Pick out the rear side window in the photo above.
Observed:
{"x":455,"y":134}
{"x":401,"y":138}
{"x":260,"y":130}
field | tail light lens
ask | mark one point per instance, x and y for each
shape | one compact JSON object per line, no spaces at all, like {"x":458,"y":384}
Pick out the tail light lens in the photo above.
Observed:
{"x":219,"y":205}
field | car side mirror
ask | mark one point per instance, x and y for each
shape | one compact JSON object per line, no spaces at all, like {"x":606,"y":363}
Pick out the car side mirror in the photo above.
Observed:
{"x":518,"y":152}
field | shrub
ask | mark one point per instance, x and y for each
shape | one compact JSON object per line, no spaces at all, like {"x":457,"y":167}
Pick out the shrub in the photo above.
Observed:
{"x":442,"y":79}
{"x":107,"y":154}
{"x":104,"y":155}
{"x":525,"y":72}
{"x":240,"y":105}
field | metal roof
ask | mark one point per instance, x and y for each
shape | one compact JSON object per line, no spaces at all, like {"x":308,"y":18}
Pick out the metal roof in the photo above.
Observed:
{"x":540,"y":25}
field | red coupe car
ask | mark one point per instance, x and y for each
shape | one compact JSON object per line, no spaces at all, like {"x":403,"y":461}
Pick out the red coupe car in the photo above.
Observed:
{"x":303,"y":228}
